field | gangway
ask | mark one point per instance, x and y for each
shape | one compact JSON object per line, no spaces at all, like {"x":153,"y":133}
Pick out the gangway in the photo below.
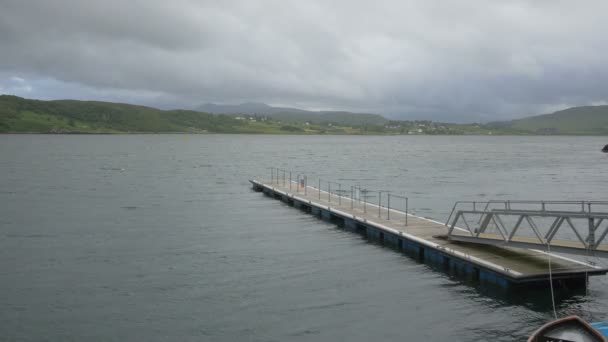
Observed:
{"x":575,"y":227}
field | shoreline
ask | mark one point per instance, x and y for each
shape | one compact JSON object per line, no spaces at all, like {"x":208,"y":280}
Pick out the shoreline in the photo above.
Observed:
{"x":297,"y":134}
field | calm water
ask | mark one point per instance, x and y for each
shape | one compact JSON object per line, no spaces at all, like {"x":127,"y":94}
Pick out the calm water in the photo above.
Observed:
{"x":159,"y":237}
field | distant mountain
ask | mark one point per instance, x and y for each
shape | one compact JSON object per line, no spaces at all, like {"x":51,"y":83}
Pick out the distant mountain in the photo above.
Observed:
{"x":292,"y":115}
{"x":585,"y":120}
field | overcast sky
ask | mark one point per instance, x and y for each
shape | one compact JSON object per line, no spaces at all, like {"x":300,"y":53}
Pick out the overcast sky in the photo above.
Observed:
{"x":449,"y":60}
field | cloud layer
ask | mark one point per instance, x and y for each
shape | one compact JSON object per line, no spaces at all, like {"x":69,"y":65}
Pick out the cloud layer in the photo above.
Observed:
{"x":465,"y":60}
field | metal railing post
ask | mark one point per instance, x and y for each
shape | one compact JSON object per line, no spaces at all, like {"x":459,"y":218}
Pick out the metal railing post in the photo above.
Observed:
{"x":305,"y":184}
{"x":379,"y":202}
{"x":298,"y":182}
{"x":406,"y":207}
{"x":289,"y":180}
{"x":339,"y":194}
{"x":591,"y":234}
{"x":352,"y":199}
{"x":388,"y":213}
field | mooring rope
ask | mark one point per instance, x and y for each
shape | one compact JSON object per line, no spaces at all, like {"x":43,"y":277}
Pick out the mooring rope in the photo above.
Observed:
{"x":587,"y":299}
{"x":551,"y":282}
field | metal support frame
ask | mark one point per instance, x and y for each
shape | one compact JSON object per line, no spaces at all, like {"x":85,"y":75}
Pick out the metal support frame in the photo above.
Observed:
{"x":588,"y":240}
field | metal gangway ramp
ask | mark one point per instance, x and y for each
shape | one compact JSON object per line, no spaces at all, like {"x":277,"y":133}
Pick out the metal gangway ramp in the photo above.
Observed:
{"x":575,"y":227}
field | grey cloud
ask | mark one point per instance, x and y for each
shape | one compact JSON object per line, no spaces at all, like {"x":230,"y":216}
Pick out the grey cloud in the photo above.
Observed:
{"x":466,"y":60}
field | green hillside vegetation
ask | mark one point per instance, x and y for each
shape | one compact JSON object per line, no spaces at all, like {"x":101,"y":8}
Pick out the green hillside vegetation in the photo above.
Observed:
{"x":66,"y":116}
{"x":19,"y":115}
{"x":586,"y":120}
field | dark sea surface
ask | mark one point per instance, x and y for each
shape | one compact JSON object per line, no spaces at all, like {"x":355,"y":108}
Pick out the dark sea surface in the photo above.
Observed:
{"x":160,"y":237}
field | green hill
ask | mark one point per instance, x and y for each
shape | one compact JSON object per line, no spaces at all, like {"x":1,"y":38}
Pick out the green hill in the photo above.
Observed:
{"x":21,"y":115}
{"x":586,"y":120}
{"x":65,"y":116}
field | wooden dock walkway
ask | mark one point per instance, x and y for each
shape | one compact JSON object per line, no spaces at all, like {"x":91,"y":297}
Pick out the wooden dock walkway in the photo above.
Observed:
{"x":426,"y":239}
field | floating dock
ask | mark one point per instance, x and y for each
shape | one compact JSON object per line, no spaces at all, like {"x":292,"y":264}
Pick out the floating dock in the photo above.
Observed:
{"x":426,"y":240}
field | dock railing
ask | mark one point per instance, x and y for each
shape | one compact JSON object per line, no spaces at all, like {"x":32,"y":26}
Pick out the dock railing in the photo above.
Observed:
{"x":388,"y":211}
{"x":354,"y":195}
